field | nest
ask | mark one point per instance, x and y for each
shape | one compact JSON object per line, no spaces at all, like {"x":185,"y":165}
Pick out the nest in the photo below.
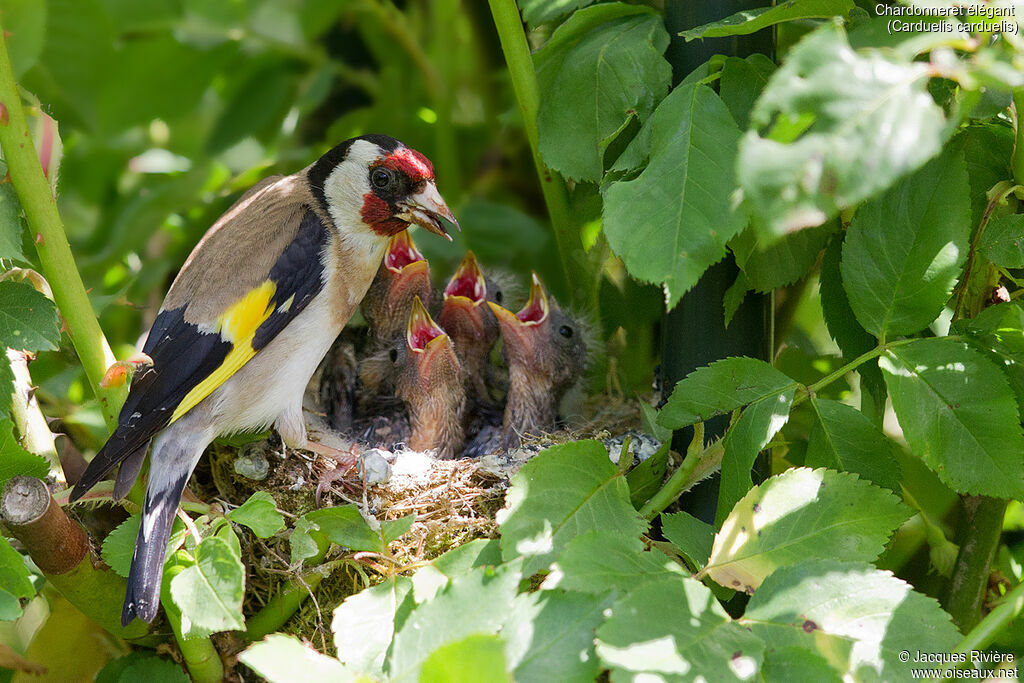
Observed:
{"x":455,"y":501}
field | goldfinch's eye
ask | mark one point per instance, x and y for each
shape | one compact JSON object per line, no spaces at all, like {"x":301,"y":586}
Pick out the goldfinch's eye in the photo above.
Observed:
{"x":565,"y":331}
{"x":499,"y":298}
{"x":381,"y":178}
{"x":393,"y":355}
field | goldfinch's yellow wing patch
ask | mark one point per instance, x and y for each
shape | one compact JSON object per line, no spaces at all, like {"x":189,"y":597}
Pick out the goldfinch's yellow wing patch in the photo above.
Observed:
{"x":238,"y":326}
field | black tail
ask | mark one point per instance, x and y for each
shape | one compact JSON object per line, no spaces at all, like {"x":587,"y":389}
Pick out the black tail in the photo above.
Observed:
{"x":129,"y":471}
{"x":166,"y":483}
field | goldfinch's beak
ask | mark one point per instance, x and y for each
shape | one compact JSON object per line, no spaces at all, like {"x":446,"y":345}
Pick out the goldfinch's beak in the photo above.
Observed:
{"x":426,"y":209}
{"x":428,"y":343}
{"x":519,"y":329}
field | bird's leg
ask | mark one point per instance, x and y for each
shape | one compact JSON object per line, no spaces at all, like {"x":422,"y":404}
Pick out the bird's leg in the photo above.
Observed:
{"x":338,"y":474}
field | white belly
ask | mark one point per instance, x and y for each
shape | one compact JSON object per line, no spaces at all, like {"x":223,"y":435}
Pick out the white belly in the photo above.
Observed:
{"x":274,"y":380}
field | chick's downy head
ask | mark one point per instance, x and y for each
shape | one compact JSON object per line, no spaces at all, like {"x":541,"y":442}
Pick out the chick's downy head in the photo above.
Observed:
{"x":546,"y":355}
{"x":403,"y":275}
{"x":471,"y":324}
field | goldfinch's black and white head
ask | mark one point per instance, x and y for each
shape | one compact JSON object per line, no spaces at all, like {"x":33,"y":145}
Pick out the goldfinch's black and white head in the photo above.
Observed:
{"x":377,"y":183}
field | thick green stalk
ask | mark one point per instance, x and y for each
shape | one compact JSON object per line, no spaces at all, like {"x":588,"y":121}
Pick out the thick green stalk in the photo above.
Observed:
{"x":982,"y":635}
{"x":524,"y":82}
{"x":51,"y":243}
{"x":282,"y":606}
{"x":200,"y":655}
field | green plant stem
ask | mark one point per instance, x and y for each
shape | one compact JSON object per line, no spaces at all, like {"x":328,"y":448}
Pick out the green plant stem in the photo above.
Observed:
{"x":982,"y":635}
{"x":575,"y":266}
{"x":285,"y":603}
{"x":686,"y":476}
{"x":200,"y":655}
{"x":58,"y":265}
{"x":978,"y":535}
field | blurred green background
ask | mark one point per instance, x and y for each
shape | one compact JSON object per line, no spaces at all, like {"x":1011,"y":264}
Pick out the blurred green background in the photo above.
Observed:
{"x":169,"y":109}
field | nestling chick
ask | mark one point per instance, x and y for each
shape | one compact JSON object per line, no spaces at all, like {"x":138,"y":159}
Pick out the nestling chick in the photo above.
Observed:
{"x":546,"y":356}
{"x":248,"y":319}
{"x":429,"y":380}
{"x":470,"y":324}
{"x":403,"y":275}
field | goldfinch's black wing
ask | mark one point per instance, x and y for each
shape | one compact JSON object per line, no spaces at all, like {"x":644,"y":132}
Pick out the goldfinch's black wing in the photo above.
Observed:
{"x":191,"y":359}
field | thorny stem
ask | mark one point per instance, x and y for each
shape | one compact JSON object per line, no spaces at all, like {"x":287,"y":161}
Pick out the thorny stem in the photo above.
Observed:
{"x":979,"y":529}
{"x":556,"y":196}
{"x":982,"y":635}
{"x":58,"y":264}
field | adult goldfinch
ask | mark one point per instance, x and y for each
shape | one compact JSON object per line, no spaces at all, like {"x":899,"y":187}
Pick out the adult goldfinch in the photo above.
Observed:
{"x":251,"y":314}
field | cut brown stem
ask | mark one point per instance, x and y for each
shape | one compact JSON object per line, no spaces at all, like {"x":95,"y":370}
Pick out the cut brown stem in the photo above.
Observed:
{"x":60,"y":548}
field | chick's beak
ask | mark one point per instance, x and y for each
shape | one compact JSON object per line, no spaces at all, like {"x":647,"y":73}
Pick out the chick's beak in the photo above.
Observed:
{"x":428,"y":343}
{"x":520,"y":330}
{"x":426,"y":208}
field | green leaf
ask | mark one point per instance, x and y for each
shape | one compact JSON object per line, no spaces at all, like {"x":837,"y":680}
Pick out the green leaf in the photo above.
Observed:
{"x":347,"y":527}
{"x":474,"y":658}
{"x":758,"y":424}
{"x":141,"y":666}
{"x":15,"y":460}
{"x":1002,"y":243}
{"x":741,"y":82}
{"x":166,"y":76}
{"x":691,"y":638}
{"x":259,"y":101}
{"x":260,"y":514}
{"x":25,"y":22}
{"x":958,"y":414}
{"x":856,"y":617}
{"x":842,"y":324}
{"x":798,"y":515}
{"x":600,"y":69}
{"x":78,"y":53}
{"x":998,"y":332}
{"x":782,"y":262}
{"x":428,"y":580}
{"x":562,"y":493}
{"x":749,"y":21}
{"x":904,"y":250}
{"x":797,"y":664}
{"x":364,"y":624}
{"x":15,"y":582}
{"x":303,"y":540}
{"x":119,"y":544}
{"x":645,"y":479}
{"x":549,"y":636}
{"x":209,"y":593}
{"x":481,"y":599}
{"x":28,"y":320}
{"x":734,"y":296}
{"x":691,"y":535}
{"x":536,"y":12}
{"x":10,"y":223}
{"x":844,"y":439}
{"x":6,"y":387}
{"x":720,"y":388}
{"x":863,"y":121}
{"x":283,"y":659}
{"x":599,"y":561}
{"x":673,"y":221}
